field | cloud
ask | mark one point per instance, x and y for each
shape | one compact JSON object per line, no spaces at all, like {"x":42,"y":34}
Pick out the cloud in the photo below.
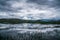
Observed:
{"x":51,"y":3}
{"x":29,"y":9}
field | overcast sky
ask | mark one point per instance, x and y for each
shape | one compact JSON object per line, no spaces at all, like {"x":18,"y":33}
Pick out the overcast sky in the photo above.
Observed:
{"x":30,"y":9}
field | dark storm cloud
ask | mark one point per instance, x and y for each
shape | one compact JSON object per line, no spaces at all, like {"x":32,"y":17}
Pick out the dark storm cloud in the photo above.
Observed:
{"x":50,"y":3}
{"x":6,"y":6}
{"x":38,"y":1}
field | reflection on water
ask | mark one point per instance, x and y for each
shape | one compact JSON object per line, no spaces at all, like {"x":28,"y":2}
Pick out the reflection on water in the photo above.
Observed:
{"x":28,"y":31}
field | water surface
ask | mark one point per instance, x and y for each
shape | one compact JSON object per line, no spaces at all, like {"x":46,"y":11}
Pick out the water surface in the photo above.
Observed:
{"x":28,"y":31}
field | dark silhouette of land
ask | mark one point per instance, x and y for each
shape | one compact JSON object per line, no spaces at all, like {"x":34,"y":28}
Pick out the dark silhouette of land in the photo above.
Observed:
{"x":17,"y":21}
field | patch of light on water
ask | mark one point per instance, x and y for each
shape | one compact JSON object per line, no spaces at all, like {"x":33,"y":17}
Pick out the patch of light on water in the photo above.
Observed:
{"x":26,"y":27}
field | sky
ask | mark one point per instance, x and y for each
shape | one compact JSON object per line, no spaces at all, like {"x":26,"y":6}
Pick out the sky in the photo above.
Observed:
{"x":30,"y":9}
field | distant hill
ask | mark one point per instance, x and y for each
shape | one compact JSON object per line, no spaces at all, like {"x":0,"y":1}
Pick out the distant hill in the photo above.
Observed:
{"x":17,"y":21}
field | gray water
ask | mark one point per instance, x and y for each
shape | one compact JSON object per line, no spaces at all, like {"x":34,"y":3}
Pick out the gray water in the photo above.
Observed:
{"x":28,"y":31}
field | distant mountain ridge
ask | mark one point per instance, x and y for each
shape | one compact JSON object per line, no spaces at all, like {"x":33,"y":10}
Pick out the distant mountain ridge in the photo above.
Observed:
{"x":17,"y":21}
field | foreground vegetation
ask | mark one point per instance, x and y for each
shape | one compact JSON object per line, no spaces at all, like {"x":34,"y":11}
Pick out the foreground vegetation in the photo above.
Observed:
{"x":17,"y":21}
{"x":14,"y":35}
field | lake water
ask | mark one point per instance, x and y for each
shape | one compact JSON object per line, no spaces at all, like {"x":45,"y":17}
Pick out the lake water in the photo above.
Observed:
{"x":28,"y":31}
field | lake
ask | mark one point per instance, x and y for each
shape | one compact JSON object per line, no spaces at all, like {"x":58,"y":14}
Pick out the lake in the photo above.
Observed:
{"x":29,"y":31}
